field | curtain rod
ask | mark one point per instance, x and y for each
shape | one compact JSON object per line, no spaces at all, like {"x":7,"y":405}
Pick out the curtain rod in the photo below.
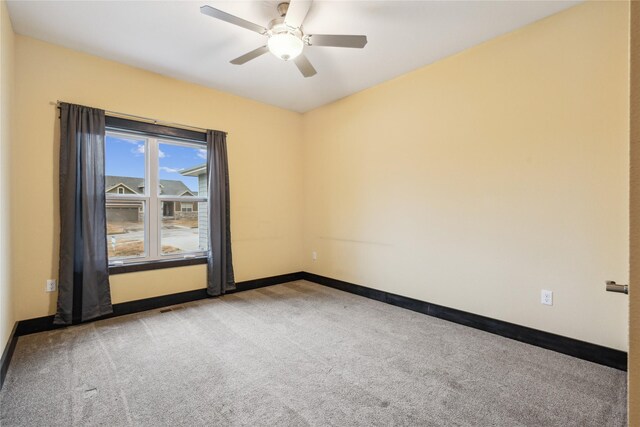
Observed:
{"x":154,"y":121}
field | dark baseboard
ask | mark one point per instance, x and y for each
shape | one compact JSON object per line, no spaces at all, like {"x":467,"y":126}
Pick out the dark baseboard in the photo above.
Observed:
{"x":572,"y":347}
{"x":8,"y":353}
{"x":267,"y":281}
{"x":42,"y":324}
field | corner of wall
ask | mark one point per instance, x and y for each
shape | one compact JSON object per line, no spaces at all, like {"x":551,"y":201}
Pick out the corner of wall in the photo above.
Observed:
{"x":7,"y":44}
{"x":634,"y":238}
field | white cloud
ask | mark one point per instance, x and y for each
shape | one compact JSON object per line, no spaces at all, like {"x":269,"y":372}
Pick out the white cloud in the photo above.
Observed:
{"x":161,"y":154}
{"x":202,"y":153}
{"x":169,"y":170}
{"x":138,"y":150}
{"x":128,"y":141}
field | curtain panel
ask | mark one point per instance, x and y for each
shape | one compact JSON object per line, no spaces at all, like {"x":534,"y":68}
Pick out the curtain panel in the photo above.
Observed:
{"x":220,"y":277}
{"x":83,"y":290}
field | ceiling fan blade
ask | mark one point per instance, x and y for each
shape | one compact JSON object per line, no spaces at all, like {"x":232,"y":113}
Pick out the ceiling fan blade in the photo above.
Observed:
{"x":337,"y":40}
{"x":224,"y":16}
{"x":304,"y":66}
{"x":296,"y":13}
{"x":250,"y":55}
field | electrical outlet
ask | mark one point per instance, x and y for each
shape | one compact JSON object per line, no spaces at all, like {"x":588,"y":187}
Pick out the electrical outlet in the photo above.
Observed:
{"x":50,"y":286}
{"x":546,"y":297}
{"x":314,"y":255}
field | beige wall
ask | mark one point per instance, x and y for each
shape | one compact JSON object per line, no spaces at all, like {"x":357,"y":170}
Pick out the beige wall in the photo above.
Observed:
{"x":482,"y":179}
{"x":264,"y":155}
{"x":634,"y":288}
{"x":7,"y":318}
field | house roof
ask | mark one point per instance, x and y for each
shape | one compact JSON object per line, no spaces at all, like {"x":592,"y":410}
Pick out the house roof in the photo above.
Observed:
{"x":169,"y":187}
{"x":195,"y":171}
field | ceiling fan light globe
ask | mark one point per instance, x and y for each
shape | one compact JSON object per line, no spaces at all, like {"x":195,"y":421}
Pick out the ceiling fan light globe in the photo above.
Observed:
{"x":285,"y":46}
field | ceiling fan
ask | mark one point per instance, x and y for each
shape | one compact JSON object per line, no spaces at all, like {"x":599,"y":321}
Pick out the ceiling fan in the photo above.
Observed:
{"x":285,"y":38}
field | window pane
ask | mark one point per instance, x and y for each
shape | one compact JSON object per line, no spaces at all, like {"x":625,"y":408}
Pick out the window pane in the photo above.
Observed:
{"x":125,"y":229}
{"x":124,"y":165}
{"x":182,"y":170}
{"x":184,"y":227}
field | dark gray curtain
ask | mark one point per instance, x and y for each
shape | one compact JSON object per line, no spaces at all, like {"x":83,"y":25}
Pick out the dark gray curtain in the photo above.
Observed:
{"x":220,"y":264}
{"x":83,"y":290}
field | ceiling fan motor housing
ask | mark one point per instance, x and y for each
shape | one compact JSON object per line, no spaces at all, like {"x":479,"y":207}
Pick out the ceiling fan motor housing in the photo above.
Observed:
{"x":284,"y":42}
{"x":283,"y":8}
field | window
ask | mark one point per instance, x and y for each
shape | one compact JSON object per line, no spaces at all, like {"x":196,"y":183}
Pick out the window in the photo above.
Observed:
{"x":156,"y":190}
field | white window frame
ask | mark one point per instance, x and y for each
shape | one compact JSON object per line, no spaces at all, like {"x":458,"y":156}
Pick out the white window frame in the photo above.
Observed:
{"x":120,"y":192}
{"x":153,"y":200}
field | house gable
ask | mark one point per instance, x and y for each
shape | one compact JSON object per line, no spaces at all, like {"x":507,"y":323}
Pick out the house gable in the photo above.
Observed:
{"x":115,"y":189}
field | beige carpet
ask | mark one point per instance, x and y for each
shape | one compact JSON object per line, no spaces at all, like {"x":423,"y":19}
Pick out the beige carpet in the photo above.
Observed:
{"x":299,"y":354}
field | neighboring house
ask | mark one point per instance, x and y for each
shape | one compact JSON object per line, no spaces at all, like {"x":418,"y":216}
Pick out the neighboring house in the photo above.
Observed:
{"x":129,"y":210}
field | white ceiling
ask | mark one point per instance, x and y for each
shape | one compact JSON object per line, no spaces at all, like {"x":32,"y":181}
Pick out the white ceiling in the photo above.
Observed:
{"x":173,"y":38}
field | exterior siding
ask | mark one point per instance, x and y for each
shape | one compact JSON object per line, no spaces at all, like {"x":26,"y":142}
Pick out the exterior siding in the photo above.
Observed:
{"x":203,"y":212}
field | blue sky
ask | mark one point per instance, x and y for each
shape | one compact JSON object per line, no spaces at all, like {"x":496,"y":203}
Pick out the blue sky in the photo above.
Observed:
{"x":125,"y":157}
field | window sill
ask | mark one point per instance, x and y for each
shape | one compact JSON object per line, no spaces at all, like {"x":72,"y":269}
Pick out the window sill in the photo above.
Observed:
{"x":155,"y":265}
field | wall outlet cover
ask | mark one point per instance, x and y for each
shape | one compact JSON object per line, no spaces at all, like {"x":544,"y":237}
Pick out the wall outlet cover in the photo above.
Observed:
{"x":546,"y":297}
{"x":50,"y":286}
